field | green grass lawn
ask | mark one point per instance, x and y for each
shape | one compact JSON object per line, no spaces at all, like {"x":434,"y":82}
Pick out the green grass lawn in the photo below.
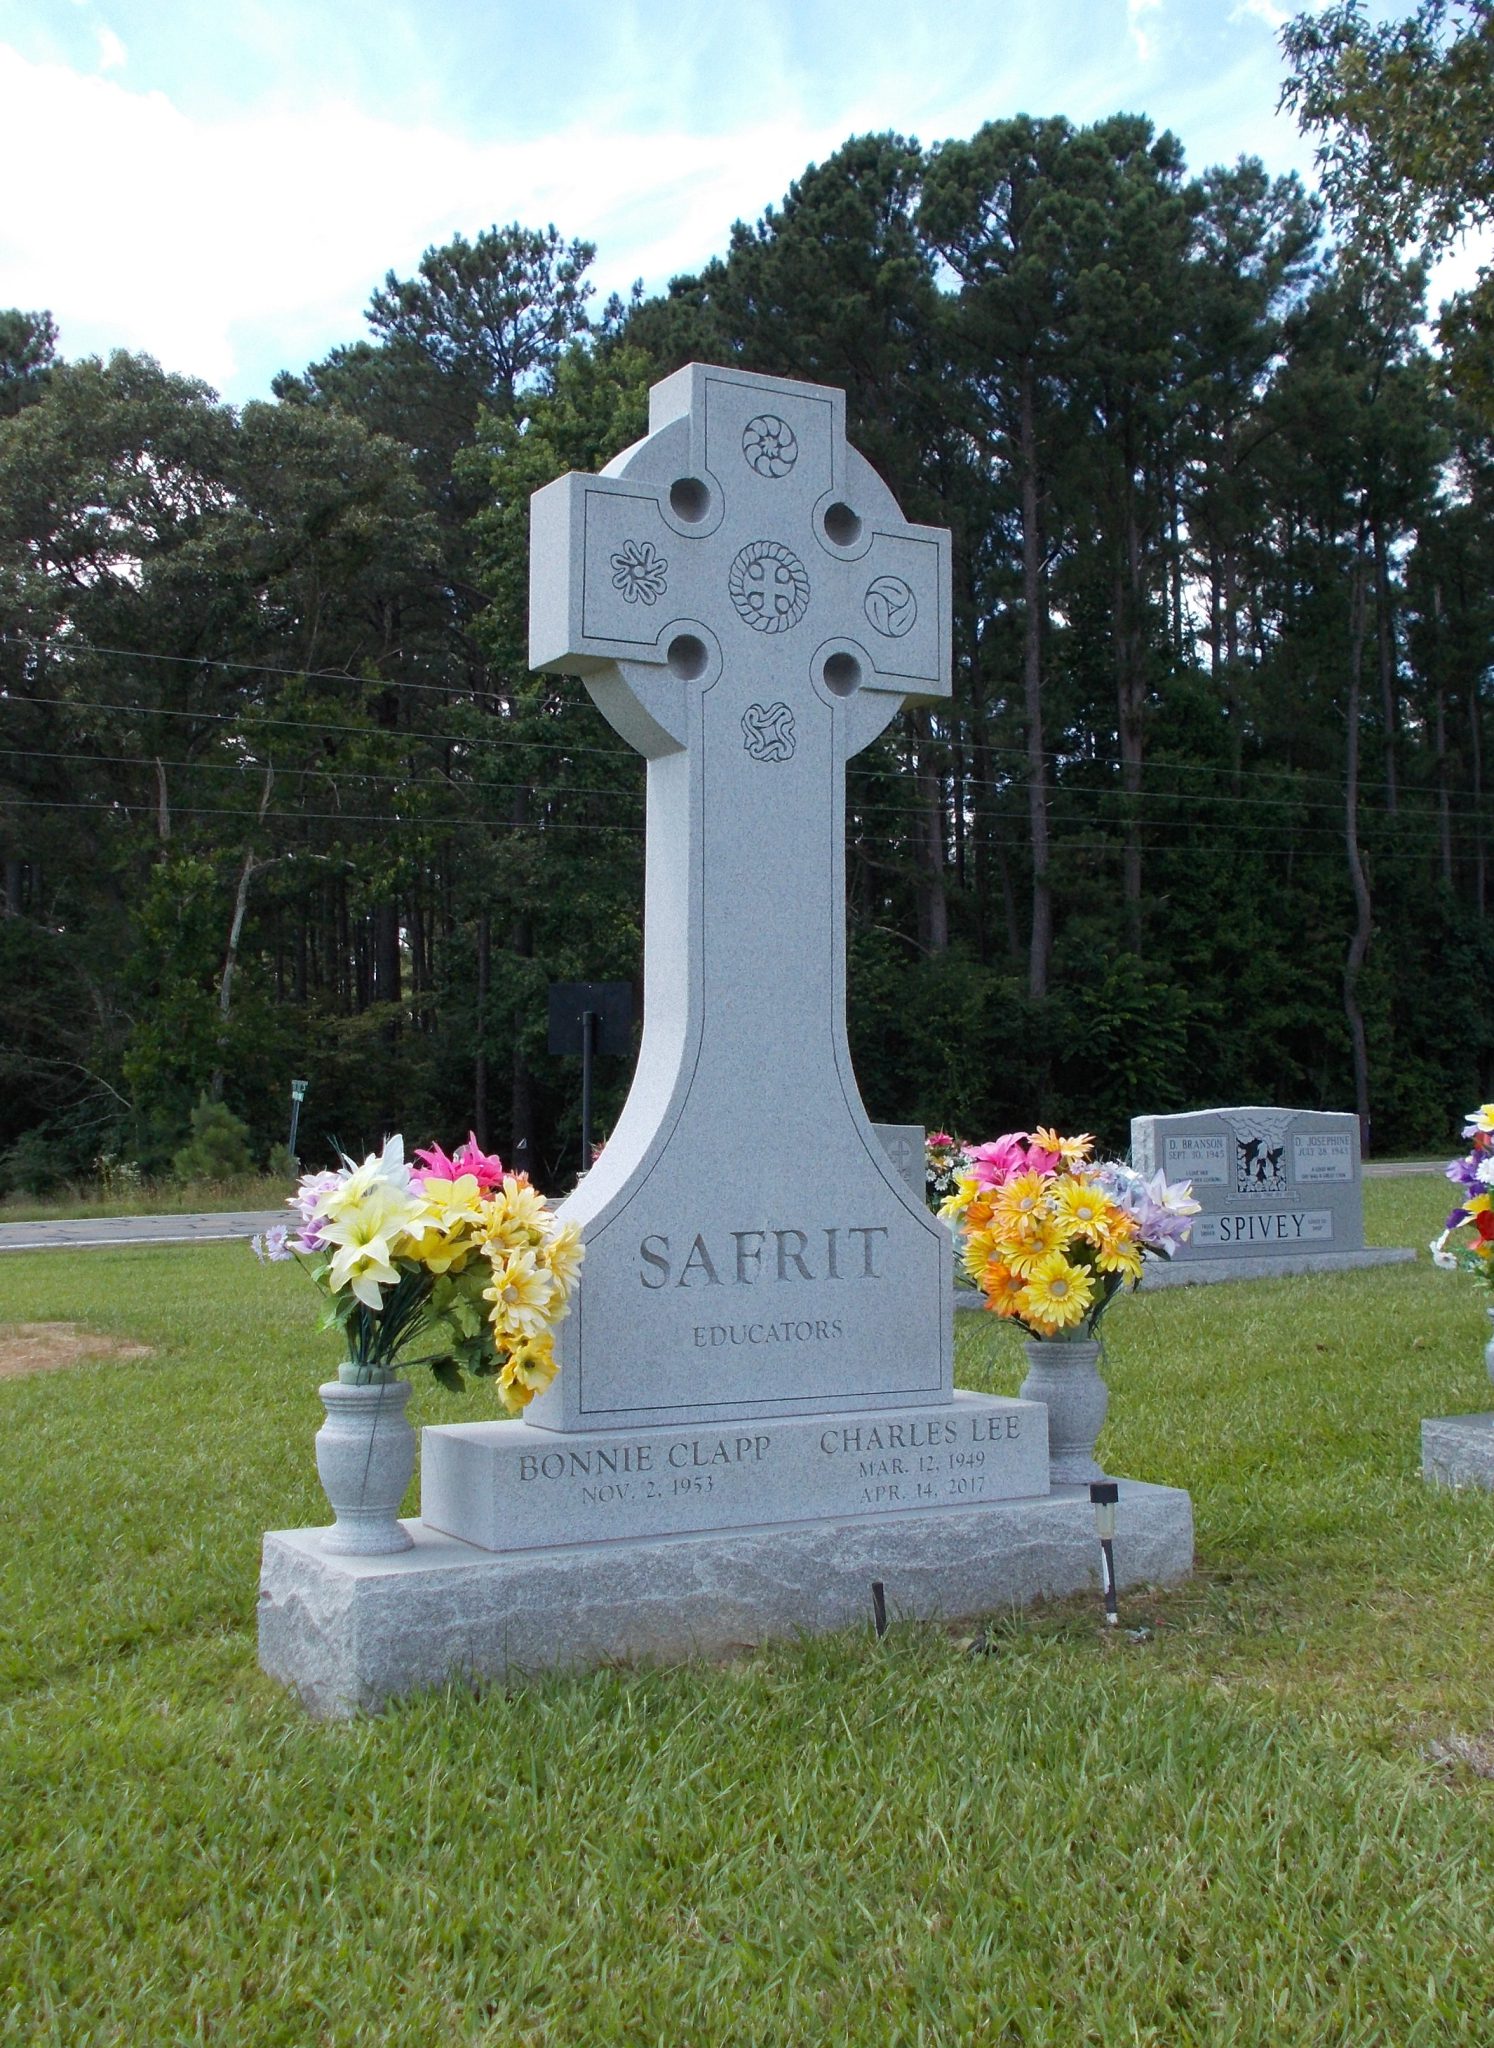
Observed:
{"x":152,"y":1198}
{"x":1233,"y":1822}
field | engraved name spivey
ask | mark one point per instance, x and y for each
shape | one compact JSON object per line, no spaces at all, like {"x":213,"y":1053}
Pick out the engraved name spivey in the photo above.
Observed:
{"x":747,"y":1263}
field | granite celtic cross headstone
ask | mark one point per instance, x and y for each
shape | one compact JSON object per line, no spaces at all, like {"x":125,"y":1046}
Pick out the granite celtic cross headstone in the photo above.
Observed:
{"x":755,"y":1419}
{"x":749,"y":608}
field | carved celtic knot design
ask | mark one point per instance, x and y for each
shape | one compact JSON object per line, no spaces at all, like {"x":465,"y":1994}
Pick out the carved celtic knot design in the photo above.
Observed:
{"x":768,"y":732}
{"x":768,"y":586}
{"x":638,"y":571}
{"x":769,"y":445}
{"x":891,"y":606}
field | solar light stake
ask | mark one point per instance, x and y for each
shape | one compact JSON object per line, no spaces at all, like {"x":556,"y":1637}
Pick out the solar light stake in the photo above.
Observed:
{"x":879,"y":1607}
{"x":588,"y":1045}
{"x":298,"y":1096}
{"x":1103,"y":1494}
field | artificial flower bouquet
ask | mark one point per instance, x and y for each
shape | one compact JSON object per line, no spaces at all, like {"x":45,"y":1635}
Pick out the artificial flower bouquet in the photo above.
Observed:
{"x":1473,"y":1175}
{"x":1050,"y":1235}
{"x":943,"y":1158}
{"x":452,"y":1255}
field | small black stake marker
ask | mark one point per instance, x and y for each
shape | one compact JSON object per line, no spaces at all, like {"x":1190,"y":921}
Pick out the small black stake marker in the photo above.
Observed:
{"x":879,"y":1608}
{"x":1103,"y":1494}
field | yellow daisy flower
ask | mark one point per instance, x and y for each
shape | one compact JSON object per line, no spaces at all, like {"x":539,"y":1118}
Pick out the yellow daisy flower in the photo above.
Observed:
{"x":1001,"y":1287}
{"x":976,"y":1252}
{"x":564,"y":1254}
{"x":523,"y":1295}
{"x":1041,"y":1236}
{"x":517,"y":1218}
{"x":1118,"y":1250}
{"x":527,"y":1371}
{"x":1023,"y":1196}
{"x":1072,"y":1151}
{"x":1056,"y":1295}
{"x":1082,"y":1206}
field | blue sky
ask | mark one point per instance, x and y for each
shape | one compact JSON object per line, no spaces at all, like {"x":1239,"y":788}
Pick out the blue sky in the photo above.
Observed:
{"x":223,"y":182}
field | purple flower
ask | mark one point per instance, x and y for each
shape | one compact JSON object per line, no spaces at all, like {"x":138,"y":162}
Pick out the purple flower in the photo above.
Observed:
{"x":273,"y":1247}
{"x":305,"y":1201}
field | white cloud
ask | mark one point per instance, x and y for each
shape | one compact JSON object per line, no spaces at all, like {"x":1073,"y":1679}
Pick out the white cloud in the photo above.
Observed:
{"x":277,"y":224}
{"x":112,"y":52}
{"x":1274,"y":16}
{"x":1135,"y":10}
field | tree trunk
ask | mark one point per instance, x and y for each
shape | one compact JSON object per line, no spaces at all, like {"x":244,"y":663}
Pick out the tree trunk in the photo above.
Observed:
{"x":1359,"y":943}
{"x":1131,"y":702}
{"x":521,"y":1092}
{"x":1385,"y":640}
{"x":480,"y":1054}
{"x":1476,"y":764}
{"x":1040,"y":953}
{"x":933,"y":903}
{"x":1444,"y":808}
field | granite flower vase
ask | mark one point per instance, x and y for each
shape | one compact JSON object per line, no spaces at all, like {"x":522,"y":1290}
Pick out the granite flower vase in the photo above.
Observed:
{"x":365,"y":1454}
{"x":1065,"y":1376}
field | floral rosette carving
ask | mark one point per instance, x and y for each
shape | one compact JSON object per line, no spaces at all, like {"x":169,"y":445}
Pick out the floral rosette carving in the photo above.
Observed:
{"x":640,"y":572}
{"x":769,"y":445}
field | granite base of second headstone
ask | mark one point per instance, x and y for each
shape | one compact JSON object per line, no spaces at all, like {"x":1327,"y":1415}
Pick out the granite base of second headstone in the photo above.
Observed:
{"x":1458,"y":1450}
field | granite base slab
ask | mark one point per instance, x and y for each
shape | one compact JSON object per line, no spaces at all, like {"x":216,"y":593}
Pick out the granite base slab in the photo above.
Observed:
{"x":1268,"y":1266}
{"x":505,"y":1486}
{"x":1210,"y":1272}
{"x":1458,"y":1450}
{"x":352,"y":1633}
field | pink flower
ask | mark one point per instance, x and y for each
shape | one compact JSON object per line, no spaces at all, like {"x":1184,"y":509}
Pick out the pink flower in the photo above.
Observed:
{"x":995,"y":1163}
{"x":486,"y":1168}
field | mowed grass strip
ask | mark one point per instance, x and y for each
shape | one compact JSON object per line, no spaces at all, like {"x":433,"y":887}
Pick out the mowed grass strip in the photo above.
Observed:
{"x":1227,"y":1822}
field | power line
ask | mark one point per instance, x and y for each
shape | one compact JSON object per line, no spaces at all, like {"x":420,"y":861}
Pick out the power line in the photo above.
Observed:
{"x":568,"y":707}
{"x":116,"y":808}
{"x":1420,"y":808}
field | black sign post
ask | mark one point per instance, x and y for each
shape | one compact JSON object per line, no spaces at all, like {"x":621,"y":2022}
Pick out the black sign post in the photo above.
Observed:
{"x":589,"y":1017}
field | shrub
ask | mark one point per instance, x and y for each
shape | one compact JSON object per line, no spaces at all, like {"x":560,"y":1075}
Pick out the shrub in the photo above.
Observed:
{"x":218,"y":1148}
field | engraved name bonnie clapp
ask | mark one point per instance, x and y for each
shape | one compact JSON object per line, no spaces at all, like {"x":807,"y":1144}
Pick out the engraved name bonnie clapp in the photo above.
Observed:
{"x":748,"y":608}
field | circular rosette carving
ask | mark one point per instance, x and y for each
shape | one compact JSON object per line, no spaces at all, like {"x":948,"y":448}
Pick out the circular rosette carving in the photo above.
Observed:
{"x":769,"y":445}
{"x":769,"y":586}
{"x":639,"y":572}
{"x":890,"y":606}
{"x":768,"y":731}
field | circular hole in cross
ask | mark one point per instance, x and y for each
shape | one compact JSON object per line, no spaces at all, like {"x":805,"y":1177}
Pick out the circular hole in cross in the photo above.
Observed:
{"x":841,"y":525}
{"x":689,"y":499}
{"x":842,"y":673}
{"x":687,"y":656}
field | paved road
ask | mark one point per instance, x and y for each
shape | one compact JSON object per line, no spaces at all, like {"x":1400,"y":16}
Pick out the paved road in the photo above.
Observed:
{"x":76,"y":1231}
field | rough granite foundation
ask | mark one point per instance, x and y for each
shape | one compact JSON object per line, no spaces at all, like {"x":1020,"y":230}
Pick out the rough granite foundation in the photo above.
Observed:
{"x":350,"y":1634}
{"x":1458,"y":1450}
